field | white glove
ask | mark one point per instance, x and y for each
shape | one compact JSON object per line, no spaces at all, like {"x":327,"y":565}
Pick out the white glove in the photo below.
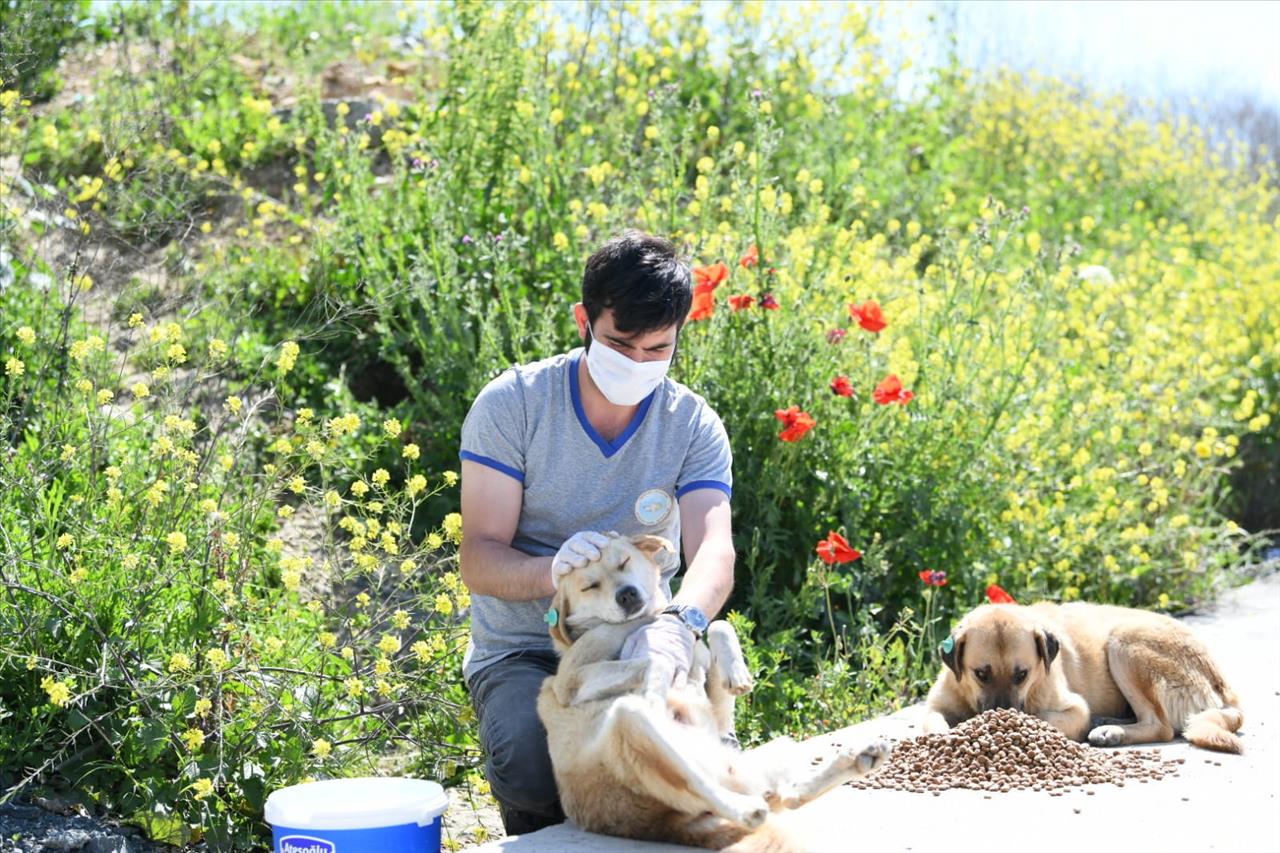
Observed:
{"x":665,"y":637}
{"x":578,"y":550}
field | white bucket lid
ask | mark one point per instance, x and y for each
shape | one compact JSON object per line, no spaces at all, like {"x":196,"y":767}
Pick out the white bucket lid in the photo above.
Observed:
{"x":362,"y":803}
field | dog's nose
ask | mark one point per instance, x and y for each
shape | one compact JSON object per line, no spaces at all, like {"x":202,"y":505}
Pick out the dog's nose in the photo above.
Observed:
{"x":628,"y":599}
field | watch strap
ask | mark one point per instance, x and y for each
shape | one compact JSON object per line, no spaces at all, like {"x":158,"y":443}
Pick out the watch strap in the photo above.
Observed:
{"x":679,"y":611}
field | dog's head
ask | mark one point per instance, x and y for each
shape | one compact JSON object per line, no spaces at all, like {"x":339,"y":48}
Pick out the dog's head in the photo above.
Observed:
{"x":998,"y":653}
{"x":620,"y":586}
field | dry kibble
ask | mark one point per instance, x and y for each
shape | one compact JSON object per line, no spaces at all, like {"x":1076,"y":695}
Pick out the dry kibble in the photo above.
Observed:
{"x":1004,"y":750}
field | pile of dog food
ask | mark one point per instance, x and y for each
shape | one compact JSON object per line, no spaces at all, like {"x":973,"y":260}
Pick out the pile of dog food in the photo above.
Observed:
{"x":1005,"y":750}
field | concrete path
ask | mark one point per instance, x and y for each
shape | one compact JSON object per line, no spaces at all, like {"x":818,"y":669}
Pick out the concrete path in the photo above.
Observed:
{"x":1218,"y":802}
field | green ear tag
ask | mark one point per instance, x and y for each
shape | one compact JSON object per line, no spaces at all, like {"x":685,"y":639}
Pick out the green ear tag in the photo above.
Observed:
{"x":551,"y":617}
{"x":948,"y":645}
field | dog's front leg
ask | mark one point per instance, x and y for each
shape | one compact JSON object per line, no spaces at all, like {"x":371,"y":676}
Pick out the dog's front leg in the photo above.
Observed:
{"x":942,"y":708}
{"x":727,"y":676}
{"x":1069,"y":715}
{"x":602,"y":680}
{"x":934,"y":723}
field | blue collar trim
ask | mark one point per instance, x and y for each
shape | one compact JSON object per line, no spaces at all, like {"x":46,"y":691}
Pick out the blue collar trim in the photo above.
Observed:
{"x":608,"y":448}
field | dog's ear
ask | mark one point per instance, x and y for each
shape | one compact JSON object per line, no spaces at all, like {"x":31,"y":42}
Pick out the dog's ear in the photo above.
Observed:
{"x":953,"y":653}
{"x":651,"y":546}
{"x":558,"y":617}
{"x":1046,"y":646}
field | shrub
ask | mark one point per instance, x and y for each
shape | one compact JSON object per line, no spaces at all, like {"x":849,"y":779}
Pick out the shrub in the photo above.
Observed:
{"x":207,"y":594}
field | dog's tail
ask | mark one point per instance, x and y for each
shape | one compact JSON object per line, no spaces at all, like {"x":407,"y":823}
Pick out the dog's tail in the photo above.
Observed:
{"x":717,"y":834}
{"x":1213,"y":728}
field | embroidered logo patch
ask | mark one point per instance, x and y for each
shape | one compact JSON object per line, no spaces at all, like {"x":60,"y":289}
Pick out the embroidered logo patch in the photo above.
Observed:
{"x":653,"y":507}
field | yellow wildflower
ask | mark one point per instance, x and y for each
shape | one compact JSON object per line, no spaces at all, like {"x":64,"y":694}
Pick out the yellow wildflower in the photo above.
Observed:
{"x":59,"y":692}
{"x":452,"y":526}
{"x":288,"y":356}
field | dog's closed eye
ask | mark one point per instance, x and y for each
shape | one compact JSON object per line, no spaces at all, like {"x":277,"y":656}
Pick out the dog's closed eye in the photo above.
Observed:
{"x":591,"y":586}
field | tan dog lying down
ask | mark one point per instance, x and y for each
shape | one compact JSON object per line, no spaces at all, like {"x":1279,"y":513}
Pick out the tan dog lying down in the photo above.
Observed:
{"x":636,"y":757}
{"x":1080,"y":667}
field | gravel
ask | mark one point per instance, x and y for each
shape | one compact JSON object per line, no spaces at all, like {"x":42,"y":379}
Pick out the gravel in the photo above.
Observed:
{"x":31,"y":829}
{"x":1005,"y":750}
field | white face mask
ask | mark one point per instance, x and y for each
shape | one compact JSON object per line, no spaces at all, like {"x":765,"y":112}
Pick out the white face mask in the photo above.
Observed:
{"x":622,"y":381}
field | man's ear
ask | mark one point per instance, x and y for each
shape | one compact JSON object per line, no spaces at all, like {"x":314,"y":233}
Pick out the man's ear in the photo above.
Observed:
{"x":953,"y":653}
{"x":1046,"y":646}
{"x":651,"y":546}
{"x":558,"y":617}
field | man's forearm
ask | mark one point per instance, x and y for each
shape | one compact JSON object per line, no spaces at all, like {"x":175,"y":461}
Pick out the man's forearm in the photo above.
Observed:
{"x":492,"y":568}
{"x":709,"y":579}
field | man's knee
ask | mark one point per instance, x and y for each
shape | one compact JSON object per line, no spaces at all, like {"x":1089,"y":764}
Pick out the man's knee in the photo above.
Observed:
{"x":518,"y":765}
{"x":519,"y":769}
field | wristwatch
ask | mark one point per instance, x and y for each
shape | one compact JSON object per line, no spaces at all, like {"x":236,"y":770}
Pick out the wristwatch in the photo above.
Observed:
{"x":693,"y":618}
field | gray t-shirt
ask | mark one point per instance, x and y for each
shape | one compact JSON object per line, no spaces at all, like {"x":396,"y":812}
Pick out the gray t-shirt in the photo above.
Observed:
{"x":529,"y":424}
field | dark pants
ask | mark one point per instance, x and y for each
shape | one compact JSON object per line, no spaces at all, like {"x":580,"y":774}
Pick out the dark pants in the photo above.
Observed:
{"x":518,"y":766}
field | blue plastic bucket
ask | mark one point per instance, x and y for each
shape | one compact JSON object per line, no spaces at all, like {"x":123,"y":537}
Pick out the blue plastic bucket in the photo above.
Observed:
{"x":369,"y":815}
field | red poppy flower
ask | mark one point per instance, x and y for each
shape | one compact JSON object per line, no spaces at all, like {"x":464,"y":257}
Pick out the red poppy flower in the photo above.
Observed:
{"x":835,"y":549}
{"x":868,"y":315}
{"x":769,"y":303}
{"x":704,"y":305}
{"x":842,"y":386}
{"x":795,"y":423}
{"x":996,"y":595}
{"x":891,"y":391}
{"x":933,"y":578}
{"x":706,"y":280}
{"x":741,"y":301}
{"x":710,"y":277}
{"x":751,"y":258}
{"x":835,"y":336}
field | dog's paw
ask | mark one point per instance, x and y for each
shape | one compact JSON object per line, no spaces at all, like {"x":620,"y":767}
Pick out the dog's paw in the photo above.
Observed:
{"x":873,"y":755}
{"x":934,"y":723}
{"x":866,"y":759}
{"x":1107,"y":736}
{"x":750,"y":811}
{"x":737,"y":678}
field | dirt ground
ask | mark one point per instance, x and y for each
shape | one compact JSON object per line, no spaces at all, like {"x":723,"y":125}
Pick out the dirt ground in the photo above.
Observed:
{"x":472,"y":818}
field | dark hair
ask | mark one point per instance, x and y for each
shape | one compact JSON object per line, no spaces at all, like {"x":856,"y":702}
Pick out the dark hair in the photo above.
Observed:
{"x":640,"y":277}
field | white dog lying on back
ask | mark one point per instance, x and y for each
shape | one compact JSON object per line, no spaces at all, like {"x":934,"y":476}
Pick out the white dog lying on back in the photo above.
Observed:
{"x":635,"y":756}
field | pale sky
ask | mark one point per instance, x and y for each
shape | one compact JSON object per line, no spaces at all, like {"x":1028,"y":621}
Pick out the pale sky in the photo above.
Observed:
{"x":1145,"y":49}
{"x":1142,"y":48}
